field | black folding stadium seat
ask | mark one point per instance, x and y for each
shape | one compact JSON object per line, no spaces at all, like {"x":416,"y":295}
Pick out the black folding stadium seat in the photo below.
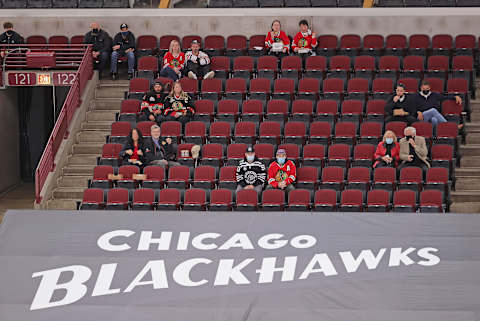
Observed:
{"x":442,"y":3}
{"x":115,"y":4}
{"x":390,"y":3}
{"x":468,"y":3}
{"x":39,"y":3}
{"x":245,"y":3}
{"x":14,"y":4}
{"x":417,"y":3}
{"x":64,"y":3}
{"x":220,"y":3}
{"x":350,"y":3}
{"x":297,"y":3}
{"x":271,"y":3}
{"x":90,"y":3}
{"x":324,"y":3}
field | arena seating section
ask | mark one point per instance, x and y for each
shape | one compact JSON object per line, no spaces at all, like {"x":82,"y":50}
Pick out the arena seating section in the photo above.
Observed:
{"x":328,"y":114}
{"x":241,"y":3}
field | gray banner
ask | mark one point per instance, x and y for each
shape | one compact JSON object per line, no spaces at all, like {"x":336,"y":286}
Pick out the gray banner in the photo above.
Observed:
{"x":147,"y":266}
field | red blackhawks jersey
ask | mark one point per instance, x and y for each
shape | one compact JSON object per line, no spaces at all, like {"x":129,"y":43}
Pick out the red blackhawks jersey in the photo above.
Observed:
{"x":171,"y":61}
{"x":280,"y":37}
{"x":278,"y":173}
{"x":304,"y":41}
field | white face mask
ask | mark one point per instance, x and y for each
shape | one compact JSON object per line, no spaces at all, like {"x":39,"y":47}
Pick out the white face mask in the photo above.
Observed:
{"x":250,"y":158}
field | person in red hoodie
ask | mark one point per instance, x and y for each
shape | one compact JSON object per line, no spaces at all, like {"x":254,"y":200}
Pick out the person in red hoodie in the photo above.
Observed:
{"x":388,"y":151}
{"x":277,"y":41}
{"x":305,"y":40}
{"x":282,"y":172}
{"x":173,"y":62}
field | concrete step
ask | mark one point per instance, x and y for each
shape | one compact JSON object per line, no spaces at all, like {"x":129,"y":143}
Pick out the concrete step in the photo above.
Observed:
{"x":79,"y":170}
{"x":469,"y":161}
{"x":467,"y":207}
{"x":110,"y":92}
{"x":92,"y":136}
{"x":115,"y":83}
{"x":467,"y":183}
{"x":465,"y":196}
{"x":101,"y":115}
{"x":88,"y":148}
{"x":68,"y":193}
{"x":467,"y":172}
{"x":470,"y":150}
{"x":83,"y":159}
{"x":62,"y":204}
{"x":74,"y":181}
{"x":475,"y":116}
{"x":473,"y":138}
{"x":108,"y":103}
{"x":97,"y":125}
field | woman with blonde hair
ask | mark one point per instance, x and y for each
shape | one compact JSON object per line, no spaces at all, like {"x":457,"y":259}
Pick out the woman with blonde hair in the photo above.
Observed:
{"x":179,"y":106}
{"x":173,"y":62}
{"x":388,"y":151}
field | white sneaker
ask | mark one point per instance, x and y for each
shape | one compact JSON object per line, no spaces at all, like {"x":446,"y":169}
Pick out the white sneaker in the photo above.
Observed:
{"x":209,"y":75}
{"x":192,"y":75}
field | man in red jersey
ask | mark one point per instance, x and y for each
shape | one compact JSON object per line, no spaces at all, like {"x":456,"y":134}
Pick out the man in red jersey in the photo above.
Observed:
{"x":282,"y":172}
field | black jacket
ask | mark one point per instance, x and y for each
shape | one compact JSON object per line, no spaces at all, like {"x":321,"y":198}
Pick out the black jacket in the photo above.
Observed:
{"x":152,"y":152}
{"x":173,"y":105}
{"x":253,"y":173}
{"x":124,"y":42}
{"x":129,"y":145}
{"x":151,"y":101}
{"x":101,"y":42}
{"x":433,"y":100}
{"x":407,"y":104}
{"x":12,"y":39}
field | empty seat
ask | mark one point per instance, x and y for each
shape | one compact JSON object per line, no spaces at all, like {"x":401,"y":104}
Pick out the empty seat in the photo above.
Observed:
{"x":350,"y":44}
{"x":195,"y":132}
{"x":204,"y":177}
{"x":211,"y":88}
{"x":221,"y":66}
{"x":235,"y":153}
{"x":378,"y":201}
{"x":221,"y":200}
{"x":212,"y":154}
{"x":127,"y":172}
{"x":267,"y":67}
{"x":442,"y":156}
{"x":236,"y":88}
{"x":155,"y":177}
{"x":437,"y":178}
{"x":320,"y":132}
{"x":169,"y":199}
{"x":260,"y":88}
{"x":243,"y":67}
{"x":92,"y":199}
{"x":299,"y":200}
{"x":373,"y":44}
{"x":171,"y":129}
{"x":370,"y":132}
{"x":431,"y":201}
{"x":269,"y":132}
{"x":178,"y":177}
{"x":325,"y":200}
{"x":256,"y":45}
{"x":145,"y":127}
{"x":352,"y":110}
{"x":228,"y":110}
{"x":143,"y":199}
{"x":119,"y":132}
{"x":384,"y":178}
{"x":129,"y":110}
{"x":397,"y":127}
{"x":351,"y":200}
{"x":302,"y":110}
{"x":283,"y":88}
{"x":117,"y":199}
{"x":327,"y":110}
{"x":404,"y":201}
{"x":110,"y":154}
{"x":339,"y":155}
{"x":146,"y":45}
{"x":100,"y":177}
{"x":247,"y":200}
{"x":195,"y":199}
{"x":389,"y":66}
{"x":315,"y":67}
{"x":333,"y":177}
{"x":307,"y":177}
{"x":363,"y":155}
{"x":411,"y":178}
{"x":236,"y":45}
{"x":227,"y":177}
{"x":204,"y":110}
{"x":382,"y":88}
{"x":214,"y":45}
{"x":308,"y":88}
{"x":395,"y":44}
{"x":339,"y":66}
{"x":220,"y":132}
{"x":442,"y":44}
{"x":295,"y":132}
{"x":252,"y":110}
{"x":333,"y":88}
{"x":272,"y":200}
{"x":418,"y":44}
{"x":345,"y":132}
{"x":245,"y":132}
{"x":313,"y":155}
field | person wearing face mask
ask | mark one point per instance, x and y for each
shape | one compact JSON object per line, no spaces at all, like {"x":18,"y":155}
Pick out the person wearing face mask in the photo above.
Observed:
{"x":282,"y":172}
{"x":123,"y":45}
{"x":400,"y":107}
{"x":277,"y":41}
{"x":152,"y":104}
{"x":101,"y":43}
{"x":160,"y":151}
{"x":9,"y":37}
{"x":387,"y":152}
{"x":429,"y":104}
{"x":197,"y":63}
{"x":251,"y":172}
{"x":305,"y":40}
{"x":413,"y":150}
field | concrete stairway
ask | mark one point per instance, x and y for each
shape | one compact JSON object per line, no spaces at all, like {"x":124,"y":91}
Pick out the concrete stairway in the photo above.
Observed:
{"x":466,"y":197}
{"x":88,"y":146}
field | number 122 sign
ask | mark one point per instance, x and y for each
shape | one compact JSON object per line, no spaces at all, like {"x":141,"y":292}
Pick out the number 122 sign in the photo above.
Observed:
{"x":63,"y":78}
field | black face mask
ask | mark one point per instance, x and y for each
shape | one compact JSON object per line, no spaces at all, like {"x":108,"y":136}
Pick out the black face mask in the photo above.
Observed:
{"x":408,"y":137}
{"x":425,"y":92}
{"x":95,"y":31}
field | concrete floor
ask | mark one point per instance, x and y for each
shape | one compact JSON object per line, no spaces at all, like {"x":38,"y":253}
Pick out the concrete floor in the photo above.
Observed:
{"x":21,"y":197}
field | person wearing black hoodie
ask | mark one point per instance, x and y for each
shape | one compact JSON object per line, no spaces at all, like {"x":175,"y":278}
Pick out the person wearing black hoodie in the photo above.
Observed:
{"x":9,"y":37}
{"x":102,"y":45}
{"x":123,"y":45}
{"x":152,"y":104}
{"x":400,"y":107}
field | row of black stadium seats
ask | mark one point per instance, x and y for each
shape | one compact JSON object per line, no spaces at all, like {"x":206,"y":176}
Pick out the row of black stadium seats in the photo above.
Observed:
{"x":339,"y":3}
{"x":22,"y":4}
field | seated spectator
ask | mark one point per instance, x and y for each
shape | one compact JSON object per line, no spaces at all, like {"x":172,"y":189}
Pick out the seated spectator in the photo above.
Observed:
{"x":388,"y":150}
{"x":133,"y":151}
{"x":413,"y":150}
{"x":101,"y":43}
{"x":160,"y":151}
{"x":400,"y":107}
{"x":429,"y":104}
{"x":173,"y":62}
{"x":152,"y":104}
{"x":179,"y":105}
{"x":282,"y":173}
{"x":123,"y":45}
{"x":197,"y":63}
{"x":305,"y":40}
{"x":251,"y":172}
{"x":277,"y":41}
{"x":9,"y":37}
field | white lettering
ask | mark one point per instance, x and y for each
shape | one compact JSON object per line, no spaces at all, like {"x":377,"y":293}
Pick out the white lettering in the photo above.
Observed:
{"x":303,"y":241}
{"x":183,"y":241}
{"x":397,"y":256}
{"x":104,"y":241}
{"x":181,"y":274}
{"x":146,"y":239}
{"x":227,"y":271}
{"x":268,"y":268}
{"x":104,"y":280}
{"x":371,"y":261}
{"x":237,"y":240}
{"x":197,"y":241}
{"x":325,"y":266}
{"x":159,"y":276}
{"x":264,"y":241}
{"x":432,"y":259}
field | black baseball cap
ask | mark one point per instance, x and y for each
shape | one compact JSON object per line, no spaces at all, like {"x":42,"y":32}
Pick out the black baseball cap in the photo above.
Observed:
{"x":123,"y":25}
{"x":250,"y":149}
